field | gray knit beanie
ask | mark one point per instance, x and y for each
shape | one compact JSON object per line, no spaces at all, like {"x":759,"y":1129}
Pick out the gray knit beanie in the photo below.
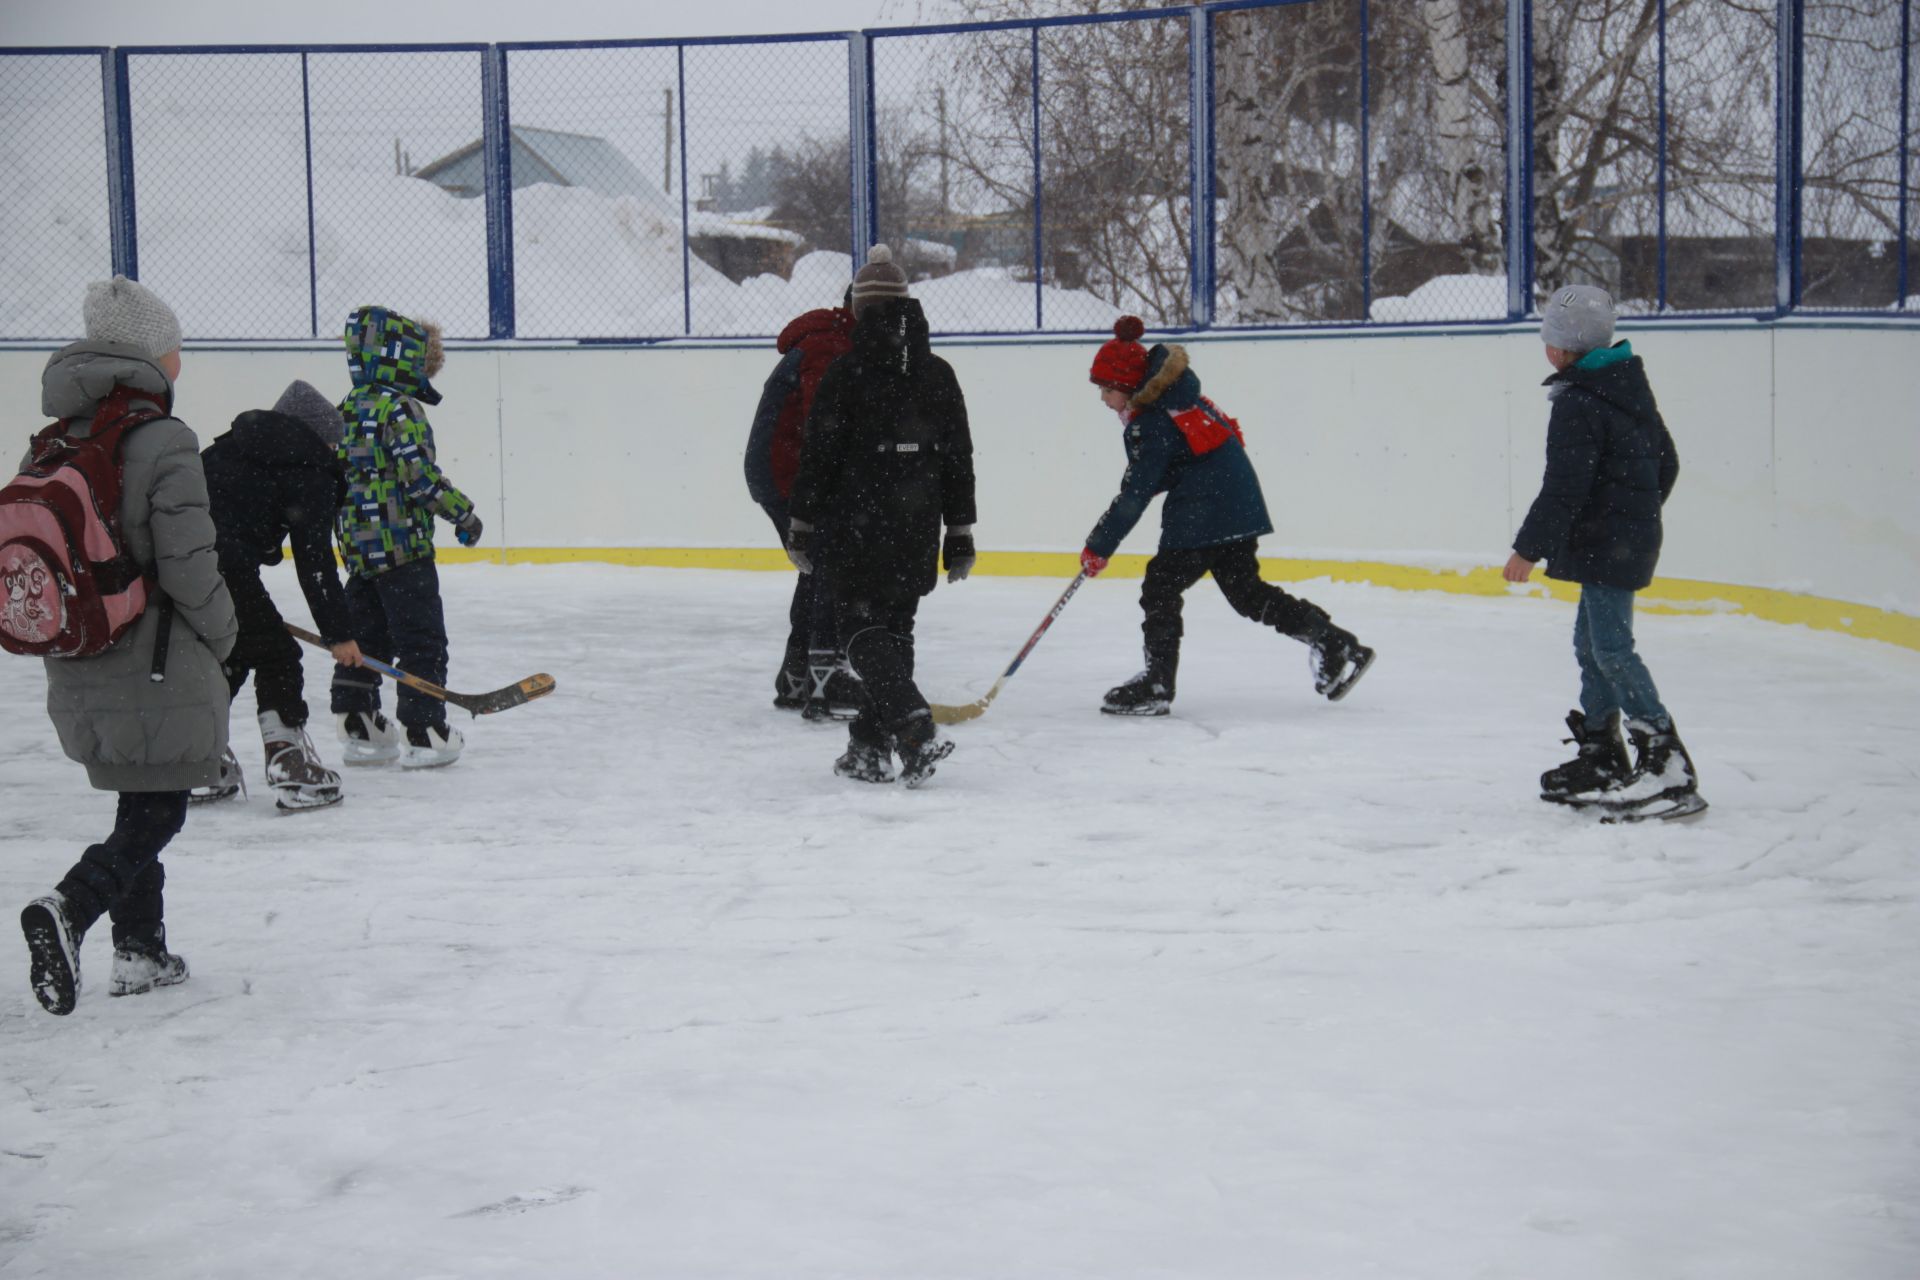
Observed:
{"x":301,"y":402}
{"x":127,"y":313}
{"x":878,"y":281}
{"x":1577,"y":318}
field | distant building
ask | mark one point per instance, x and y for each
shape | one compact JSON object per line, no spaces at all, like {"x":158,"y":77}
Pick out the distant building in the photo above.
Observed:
{"x":544,"y":155}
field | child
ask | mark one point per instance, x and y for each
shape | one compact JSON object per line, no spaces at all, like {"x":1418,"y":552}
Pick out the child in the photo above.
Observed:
{"x":1179,"y":443}
{"x":1610,"y":467}
{"x":887,"y":459}
{"x":147,"y":717}
{"x":394,"y":490}
{"x":274,"y":477}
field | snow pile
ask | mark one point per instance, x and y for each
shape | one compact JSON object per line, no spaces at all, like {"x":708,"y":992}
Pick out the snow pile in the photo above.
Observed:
{"x":1447,"y":298}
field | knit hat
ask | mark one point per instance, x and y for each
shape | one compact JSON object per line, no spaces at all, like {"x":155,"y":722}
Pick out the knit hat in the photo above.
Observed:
{"x":1121,"y":365}
{"x":1577,"y":318}
{"x":307,"y":406}
{"x":878,"y":281}
{"x":127,"y":313}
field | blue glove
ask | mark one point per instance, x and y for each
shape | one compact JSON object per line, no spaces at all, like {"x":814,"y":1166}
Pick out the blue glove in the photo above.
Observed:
{"x":467,"y":530}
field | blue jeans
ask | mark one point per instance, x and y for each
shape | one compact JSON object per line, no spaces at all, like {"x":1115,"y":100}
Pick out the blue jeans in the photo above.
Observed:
{"x":396,"y":618}
{"x":1612,"y":677}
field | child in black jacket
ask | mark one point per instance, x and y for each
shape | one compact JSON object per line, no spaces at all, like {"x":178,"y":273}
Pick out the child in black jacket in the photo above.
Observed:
{"x":273,"y":478}
{"x":1610,"y":467}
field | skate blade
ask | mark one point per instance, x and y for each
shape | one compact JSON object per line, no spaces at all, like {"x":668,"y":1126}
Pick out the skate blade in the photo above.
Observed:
{"x":1360,"y":665}
{"x":290,"y":801}
{"x":197,"y":798}
{"x":1143,"y":710}
{"x":1682,"y":809}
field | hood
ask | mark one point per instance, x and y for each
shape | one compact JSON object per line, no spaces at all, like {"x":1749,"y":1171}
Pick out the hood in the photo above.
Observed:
{"x":386,"y":349}
{"x":835,"y":321}
{"x":1170,"y":383}
{"x":78,"y":377}
{"x":277,"y":442}
{"x":1614,"y":374}
{"x":893,"y":335}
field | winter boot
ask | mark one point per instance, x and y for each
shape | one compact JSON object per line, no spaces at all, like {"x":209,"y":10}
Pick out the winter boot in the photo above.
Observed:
{"x":431,"y":746}
{"x":294,"y":771}
{"x":143,"y":964}
{"x":1601,"y":763}
{"x":864,"y":762}
{"x":1663,"y":777}
{"x":921,"y":747}
{"x":54,"y":948}
{"x":1337,"y":662}
{"x":232,"y":783}
{"x":790,"y":682}
{"x":367,"y":737}
{"x":1144,"y":695}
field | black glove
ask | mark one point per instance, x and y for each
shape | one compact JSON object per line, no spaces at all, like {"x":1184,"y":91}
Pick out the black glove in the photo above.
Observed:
{"x":466,"y":530}
{"x":799,"y":540}
{"x":957,"y":551}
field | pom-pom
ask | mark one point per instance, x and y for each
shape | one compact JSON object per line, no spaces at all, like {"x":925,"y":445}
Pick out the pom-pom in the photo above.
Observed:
{"x":1129,"y":328}
{"x":880,"y":253}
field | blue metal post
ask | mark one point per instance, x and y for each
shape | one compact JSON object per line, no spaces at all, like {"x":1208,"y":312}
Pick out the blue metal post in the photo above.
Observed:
{"x":1366,"y":170}
{"x":1200,"y":153}
{"x":1660,"y":163}
{"x":1906,"y":107}
{"x":313,"y":257}
{"x":1788,"y":111}
{"x":862,"y":187}
{"x":1519,"y":246}
{"x":1039,"y":308}
{"x":123,"y":231}
{"x":686,"y":217}
{"x":497,"y":143}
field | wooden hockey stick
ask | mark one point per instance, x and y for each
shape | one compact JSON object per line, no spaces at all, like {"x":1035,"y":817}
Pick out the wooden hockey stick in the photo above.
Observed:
{"x":974,"y":710}
{"x":480,"y":704}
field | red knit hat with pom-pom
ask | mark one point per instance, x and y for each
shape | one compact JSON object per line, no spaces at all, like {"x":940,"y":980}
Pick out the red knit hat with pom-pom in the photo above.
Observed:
{"x":1122,"y":363}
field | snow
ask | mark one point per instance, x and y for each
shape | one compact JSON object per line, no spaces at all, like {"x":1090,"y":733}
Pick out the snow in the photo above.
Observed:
{"x":1271,"y":987}
{"x":1447,"y":298}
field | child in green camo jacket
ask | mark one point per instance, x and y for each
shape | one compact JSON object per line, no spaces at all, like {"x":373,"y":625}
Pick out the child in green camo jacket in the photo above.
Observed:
{"x":385,"y":530}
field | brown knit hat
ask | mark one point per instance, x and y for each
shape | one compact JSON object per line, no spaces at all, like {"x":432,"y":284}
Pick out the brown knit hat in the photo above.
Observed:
{"x":878,"y":281}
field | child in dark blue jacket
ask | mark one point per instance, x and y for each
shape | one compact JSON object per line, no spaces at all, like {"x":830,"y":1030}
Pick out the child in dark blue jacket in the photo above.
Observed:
{"x":1180,"y":444}
{"x":1610,"y":467}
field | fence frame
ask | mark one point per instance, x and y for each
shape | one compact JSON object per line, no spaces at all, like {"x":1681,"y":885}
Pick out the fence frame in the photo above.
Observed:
{"x":1200,"y":19}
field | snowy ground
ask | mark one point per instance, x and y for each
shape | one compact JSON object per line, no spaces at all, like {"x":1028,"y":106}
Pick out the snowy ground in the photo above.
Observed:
{"x":1271,"y":988}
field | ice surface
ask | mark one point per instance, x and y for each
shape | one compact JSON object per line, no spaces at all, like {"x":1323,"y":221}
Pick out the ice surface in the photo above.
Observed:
{"x":1269,"y":988}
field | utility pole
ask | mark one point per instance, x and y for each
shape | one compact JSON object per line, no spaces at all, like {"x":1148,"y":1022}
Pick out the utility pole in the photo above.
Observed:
{"x":666,"y":147}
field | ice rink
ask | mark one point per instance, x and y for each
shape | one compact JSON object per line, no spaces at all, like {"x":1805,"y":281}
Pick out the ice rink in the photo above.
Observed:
{"x":1270,"y":988}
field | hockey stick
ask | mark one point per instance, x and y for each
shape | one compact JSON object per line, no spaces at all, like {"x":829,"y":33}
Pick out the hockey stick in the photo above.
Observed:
{"x":974,"y":710}
{"x":480,"y":704}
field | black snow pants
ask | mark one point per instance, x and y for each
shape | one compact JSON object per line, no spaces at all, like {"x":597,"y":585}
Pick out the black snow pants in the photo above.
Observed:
{"x":397,"y":618}
{"x":1236,"y":571}
{"x":876,"y":633}
{"x":263,"y":648}
{"x":122,"y":876}
{"x":810,"y":624}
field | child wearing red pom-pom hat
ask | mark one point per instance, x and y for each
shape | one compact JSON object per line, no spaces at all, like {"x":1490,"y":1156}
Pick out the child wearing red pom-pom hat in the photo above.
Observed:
{"x":1179,"y":443}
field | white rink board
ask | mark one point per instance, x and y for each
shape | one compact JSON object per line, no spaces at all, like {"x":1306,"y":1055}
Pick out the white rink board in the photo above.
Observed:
{"x":1800,"y":444}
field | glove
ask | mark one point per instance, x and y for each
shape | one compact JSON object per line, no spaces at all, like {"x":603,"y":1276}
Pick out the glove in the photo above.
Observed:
{"x":467,"y":529}
{"x":1091,"y":564}
{"x":799,"y":542}
{"x":957,"y":552}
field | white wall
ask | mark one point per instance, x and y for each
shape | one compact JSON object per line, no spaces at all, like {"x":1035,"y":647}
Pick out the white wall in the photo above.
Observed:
{"x":1799,"y":443}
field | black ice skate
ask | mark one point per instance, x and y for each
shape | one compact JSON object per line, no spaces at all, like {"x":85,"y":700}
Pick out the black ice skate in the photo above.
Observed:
{"x":294,"y":771}
{"x":1144,"y":695}
{"x":1601,"y":763}
{"x":921,"y":748}
{"x":140,"y":965}
{"x":840,"y":698}
{"x":232,"y":783}
{"x":1663,"y":783}
{"x":367,"y":737}
{"x":54,"y":951}
{"x":864,"y":762}
{"x":1337,"y":662}
{"x":790,"y":683}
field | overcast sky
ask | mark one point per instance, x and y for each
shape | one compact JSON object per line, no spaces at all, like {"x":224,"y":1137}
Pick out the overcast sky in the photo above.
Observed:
{"x":93,"y":22}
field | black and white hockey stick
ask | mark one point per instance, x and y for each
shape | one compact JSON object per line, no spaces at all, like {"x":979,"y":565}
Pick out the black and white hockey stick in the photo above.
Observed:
{"x":974,"y":710}
{"x":480,"y":704}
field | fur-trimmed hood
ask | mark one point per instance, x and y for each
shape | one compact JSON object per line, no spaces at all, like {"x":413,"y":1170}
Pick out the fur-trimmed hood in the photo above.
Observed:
{"x":1167,"y":370}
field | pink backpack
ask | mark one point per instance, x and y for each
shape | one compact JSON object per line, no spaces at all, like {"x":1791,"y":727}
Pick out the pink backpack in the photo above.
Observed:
{"x":70,"y":587}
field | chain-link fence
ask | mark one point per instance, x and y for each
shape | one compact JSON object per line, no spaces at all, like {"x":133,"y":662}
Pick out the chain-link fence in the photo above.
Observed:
{"x":1246,"y":165}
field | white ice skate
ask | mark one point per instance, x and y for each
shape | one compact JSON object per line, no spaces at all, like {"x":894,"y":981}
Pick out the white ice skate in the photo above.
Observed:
{"x":232,"y":784}
{"x":294,"y":771}
{"x":367,"y":737}
{"x":432,"y":747}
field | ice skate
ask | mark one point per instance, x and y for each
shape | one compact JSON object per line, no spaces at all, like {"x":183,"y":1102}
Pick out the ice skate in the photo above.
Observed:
{"x":1337,"y":662}
{"x":1144,"y":695}
{"x":367,"y":737}
{"x":1601,"y":763}
{"x":1663,"y":784}
{"x":790,"y":683}
{"x":432,"y":747}
{"x":232,"y":783}
{"x":140,"y":967}
{"x":294,"y":771}
{"x":839,"y":697}
{"x":54,"y":951}
{"x":864,"y":762}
